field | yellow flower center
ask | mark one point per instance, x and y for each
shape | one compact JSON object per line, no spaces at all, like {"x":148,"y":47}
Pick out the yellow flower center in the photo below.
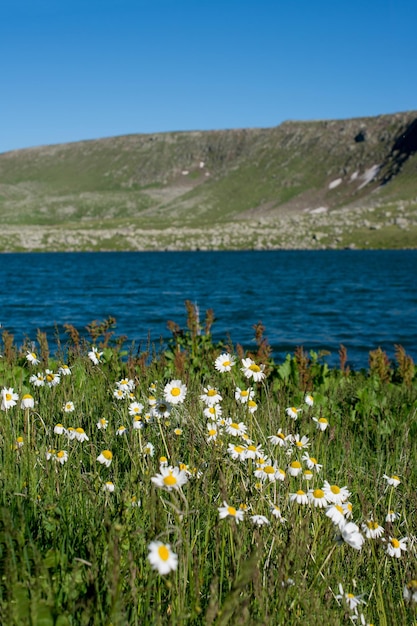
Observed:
{"x":339,"y":508}
{"x":322,"y":420}
{"x":163,"y":553}
{"x":27,"y":396}
{"x":80,"y":430}
{"x":231,"y":510}
{"x":268,"y":469}
{"x":244,"y":393}
{"x":300,"y":492}
{"x":8,"y":397}
{"x":254,"y":367}
{"x":335,"y":489}
{"x":60,"y":454}
{"x":170,"y":480}
{"x":212,"y":432}
{"x":175,"y":391}
{"x":234,"y":425}
{"x":299,"y":444}
{"x":226,"y":363}
{"x":350,"y":595}
{"x":394,"y":477}
{"x":372,"y":525}
{"x":395,"y":543}
{"x":211,"y":392}
{"x":107,"y":455}
{"x":252,"y":448}
{"x":49,"y":377}
{"x":313,"y":460}
{"x":318,"y":493}
{"x":239,"y":449}
{"x":296,"y":464}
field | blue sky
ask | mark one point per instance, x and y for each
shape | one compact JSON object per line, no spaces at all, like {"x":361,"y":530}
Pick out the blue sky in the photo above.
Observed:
{"x":85,"y":69}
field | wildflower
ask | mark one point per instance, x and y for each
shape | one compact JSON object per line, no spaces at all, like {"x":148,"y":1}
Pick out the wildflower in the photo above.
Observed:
{"x":228,"y":510}
{"x":351,"y":601}
{"x":162,"y":558}
{"x":135,"y":408}
{"x":108,"y":486}
{"x":410,"y":591}
{"x":224,"y":362}
{"x":105,"y":458}
{"x":64,"y":370}
{"x":211,"y":431}
{"x":175,"y":392}
{"x":212,"y":412}
{"x":27,"y":402}
{"x":347,"y":509}
{"x":137,"y":423}
{"x":294,"y":468}
{"x":119,"y":394}
{"x":59,"y":429}
{"x":279,"y":439}
{"x":37,"y":380}
{"x":308,"y":399}
{"x":252,"y":406}
{"x":311,"y":462}
{"x":210,"y":396}
{"x":268,"y":471}
{"x":372,"y":529}
{"x":292,"y":412}
{"x":52,"y":380}
{"x":237,"y":451}
{"x":254,"y":452}
{"x":351,"y":535}
{"x":81,"y":435}
{"x":68,"y":407}
{"x":71,"y":433}
{"x":95,"y":356}
{"x":153,"y":387}
{"x":61,"y":456}
{"x":170,"y":478}
{"x":126,"y":384}
{"x":163,"y":461}
{"x":317,"y":497}
{"x":134,"y":502}
{"x":300,"y":497}
{"x":259,"y":520}
{"x":149,"y":449}
{"x":32,"y":358}
{"x":335,"y":494}
{"x":392,"y":516}
{"x":244,"y":395}
{"x":395,"y":546}
{"x":251,"y":370}
{"x":321,"y":423}
{"x":300,"y":442}
{"x":393,"y":481}
{"x":151,"y":401}
{"x":162,"y":409}
{"x":276,"y":512}
{"x":336,"y":513}
{"x":19,"y":443}
{"x":308,"y":474}
{"x":8,"y":398}
{"x":235,"y":428}
{"x":102,"y":423}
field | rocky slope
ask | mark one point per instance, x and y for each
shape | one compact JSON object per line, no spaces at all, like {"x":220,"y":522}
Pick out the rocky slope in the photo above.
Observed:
{"x":299,"y":185}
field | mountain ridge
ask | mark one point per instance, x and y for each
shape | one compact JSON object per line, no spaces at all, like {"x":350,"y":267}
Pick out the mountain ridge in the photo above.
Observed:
{"x":200,"y":189}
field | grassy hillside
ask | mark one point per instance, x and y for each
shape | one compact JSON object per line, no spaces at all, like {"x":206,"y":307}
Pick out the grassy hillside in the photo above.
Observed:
{"x":300,"y":184}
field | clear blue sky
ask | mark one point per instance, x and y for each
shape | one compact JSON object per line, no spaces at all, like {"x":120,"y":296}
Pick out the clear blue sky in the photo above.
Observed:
{"x":84,"y":69}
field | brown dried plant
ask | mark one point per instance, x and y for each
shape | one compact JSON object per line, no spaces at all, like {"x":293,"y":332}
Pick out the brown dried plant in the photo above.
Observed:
{"x":379,"y":365}
{"x":406,"y":367}
{"x":345,"y":369}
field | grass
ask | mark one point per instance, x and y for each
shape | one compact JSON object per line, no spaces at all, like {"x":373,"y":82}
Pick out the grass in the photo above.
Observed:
{"x":72,"y":552}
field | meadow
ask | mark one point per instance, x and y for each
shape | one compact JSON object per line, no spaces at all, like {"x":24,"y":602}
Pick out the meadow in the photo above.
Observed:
{"x":202,"y":484}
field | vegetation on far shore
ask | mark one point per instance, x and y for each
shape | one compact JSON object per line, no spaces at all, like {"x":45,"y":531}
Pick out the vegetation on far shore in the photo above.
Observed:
{"x":202,"y":484}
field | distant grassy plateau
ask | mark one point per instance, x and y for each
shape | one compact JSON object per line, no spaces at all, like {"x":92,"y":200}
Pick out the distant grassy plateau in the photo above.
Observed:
{"x":300,"y":185}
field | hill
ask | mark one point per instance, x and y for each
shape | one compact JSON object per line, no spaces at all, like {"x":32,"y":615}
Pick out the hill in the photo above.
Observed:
{"x":333,"y":183}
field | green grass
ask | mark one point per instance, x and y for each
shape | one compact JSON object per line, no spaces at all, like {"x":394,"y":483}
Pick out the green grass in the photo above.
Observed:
{"x":73,"y":553}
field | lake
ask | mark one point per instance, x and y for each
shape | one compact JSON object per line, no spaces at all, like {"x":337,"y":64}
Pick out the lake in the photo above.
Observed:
{"x":318,"y":299}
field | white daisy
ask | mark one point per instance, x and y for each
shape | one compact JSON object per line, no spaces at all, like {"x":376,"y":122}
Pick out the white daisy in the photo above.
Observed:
{"x":175,"y":392}
{"x":224,"y":362}
{"x":162,"y":558}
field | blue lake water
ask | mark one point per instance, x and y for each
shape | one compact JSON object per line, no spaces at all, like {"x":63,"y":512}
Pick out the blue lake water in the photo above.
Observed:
{"x":317,"y":299}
